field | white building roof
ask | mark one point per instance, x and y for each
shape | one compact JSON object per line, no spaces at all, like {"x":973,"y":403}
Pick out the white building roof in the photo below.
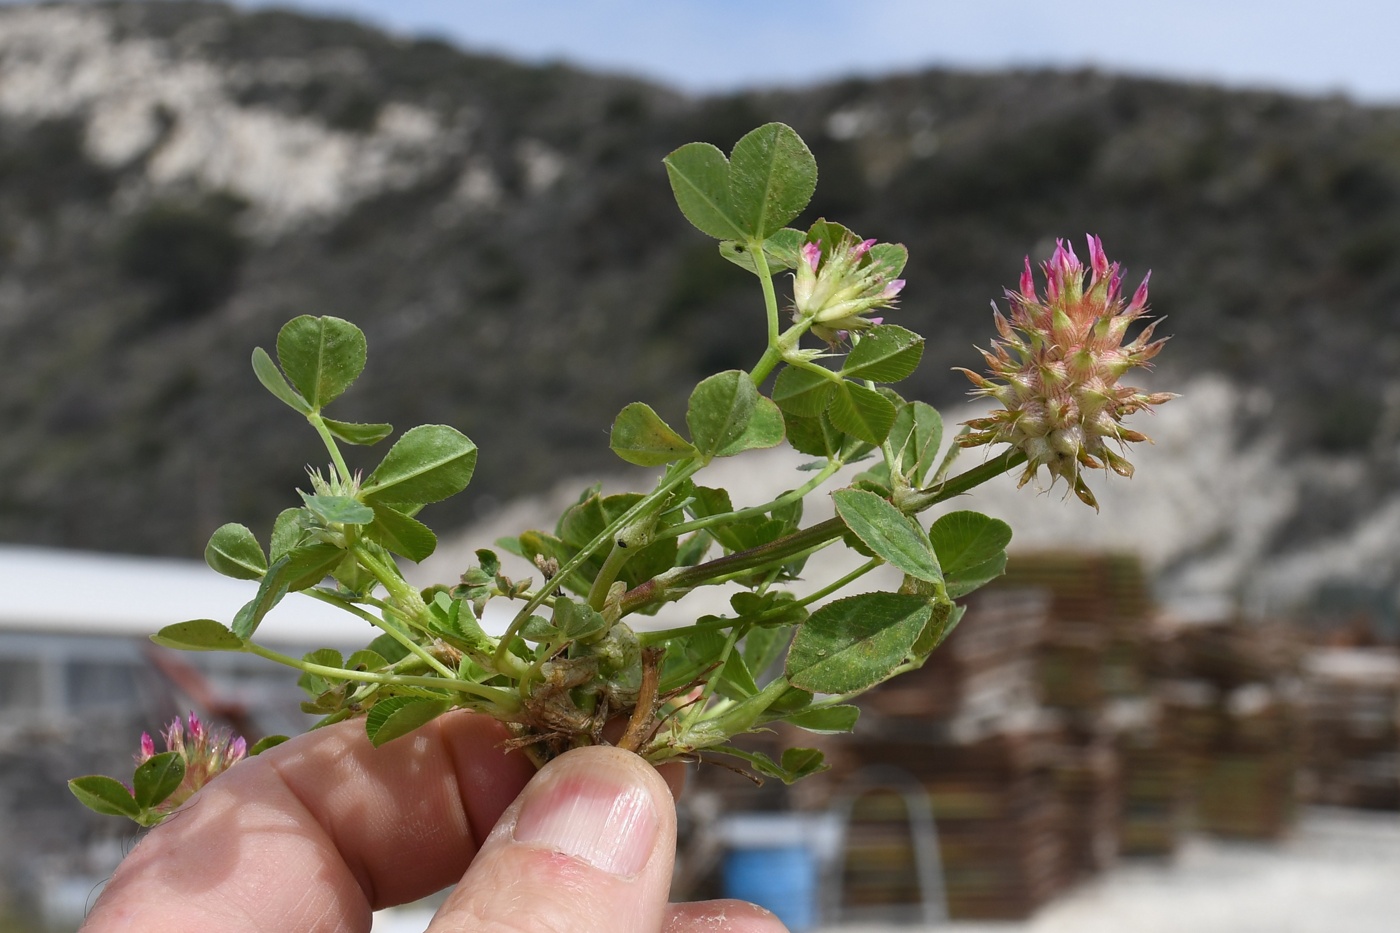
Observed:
{"x":49,"y":591}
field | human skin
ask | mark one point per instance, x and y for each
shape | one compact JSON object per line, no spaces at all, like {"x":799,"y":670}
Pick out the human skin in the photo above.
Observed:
{"x":317,"y":833}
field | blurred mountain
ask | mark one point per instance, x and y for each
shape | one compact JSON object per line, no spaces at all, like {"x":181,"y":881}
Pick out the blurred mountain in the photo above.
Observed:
{"x":178,"y":179}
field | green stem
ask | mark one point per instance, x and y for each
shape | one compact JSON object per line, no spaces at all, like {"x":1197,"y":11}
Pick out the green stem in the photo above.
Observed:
{"x":616,"y":560}
{"x":399,"y":636}
{"x":773,"y":354}
{"x":808,"y":539}
{"x":739,"y":515}
{"x":319,"y":424}
{"x":677,"y":475}
{"x":505,"y":700}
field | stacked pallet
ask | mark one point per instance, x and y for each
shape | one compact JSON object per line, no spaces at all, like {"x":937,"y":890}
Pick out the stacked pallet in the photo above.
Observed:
{"x":998,"y":817}
{"x":1230,"y":690}
{"x":1352,"y":707}
{"x":1093,"y":666}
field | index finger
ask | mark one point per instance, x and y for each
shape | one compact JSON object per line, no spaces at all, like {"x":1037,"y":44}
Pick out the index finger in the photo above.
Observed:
{"x":318,"y":832}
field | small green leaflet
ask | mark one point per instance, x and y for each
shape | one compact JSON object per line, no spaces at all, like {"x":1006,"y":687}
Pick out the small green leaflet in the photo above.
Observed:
{"x":429,"y":463}
{"x":854,"y":643}
{"x":198,"y":635}
{"x":398,"y":716}
{"x":888,"y":533}
{"x":234,"y":552}
{"x":321,"y":356}
{"x":639,"y":436}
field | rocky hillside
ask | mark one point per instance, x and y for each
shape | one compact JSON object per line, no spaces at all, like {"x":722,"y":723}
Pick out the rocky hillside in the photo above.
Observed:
{"x":177,"y":179}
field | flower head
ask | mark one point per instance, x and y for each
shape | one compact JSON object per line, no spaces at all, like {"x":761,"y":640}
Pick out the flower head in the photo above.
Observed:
{"x":835,"y":288}
{"x":206,"y":754}
{"x":1055,"y":370}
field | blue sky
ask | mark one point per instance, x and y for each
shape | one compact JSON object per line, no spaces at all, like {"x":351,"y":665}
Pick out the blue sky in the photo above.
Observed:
{"x":1309,"y":46}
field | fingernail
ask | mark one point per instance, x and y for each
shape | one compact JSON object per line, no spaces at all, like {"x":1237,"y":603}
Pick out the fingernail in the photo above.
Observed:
{"x":609,"y":824}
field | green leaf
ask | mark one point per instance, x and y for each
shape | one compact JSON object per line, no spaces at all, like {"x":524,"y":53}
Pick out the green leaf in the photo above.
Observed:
{"x":639,"y":436}
{"x":782,"y":251}
{"x":274,"y":586}
{"x":767,"y":182}
{"x":308,"y":565}
{"x":765,"y":429}
{"x":966,"y":540}
{"x":401,"y":534}
{"x":915,"y":437}
{"x":273,"y":380}
{"x":105,"y":795}
{"x":264,"y":743}
{"x":825,"y":719}
{"x":198,"y":635}
{"x":854,"y":643}
{"x":157,"y":778}
{"x":772,"y":176}
{"x":888,"y":532}
{"x":719,"y":411}
{"x":428,"y":464}
{"x":290,"y":530}
{"x":889,"y":259}
{"x":861,"y":412}
{"x":341,"y":510}
{"x":321,"y":356}
{"x":398,"y":716}
{"x":234,"y":552}
{"x":887,"y":353}
{"x":816,"y":437}
{"x":974,"y":578}
{"x":699,"y":175}
{"x":366,"y":660}
{"x":802,"y":392}
{"x":577,"y":621}
{"x":940,"y":625}
{"x":802,"y":762}
{"x":362,"y":434}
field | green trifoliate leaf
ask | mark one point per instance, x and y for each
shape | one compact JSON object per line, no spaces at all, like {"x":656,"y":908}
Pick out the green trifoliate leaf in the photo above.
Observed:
{"x":639,"y":436}
{"x":854,"y":643}
{"x":771,"y":179}
{"x":887,"y":353}
{"x":767,"y":182}
{"x":104,"y":795}
{"x":198,"y":635}
{"x":861,"y":412}
{"x":234,"y":552}
{"x":888,"y":532}
{"x":401,"y":534}
{"x":967,"y":540}
{"x":362,"y":434}
{"x":398,"y":716}
{"x":781,"y":251}
{"x":802,"y":392}
{"x":720,"y":410}
{"x":157,"y":778}
{"x":341,"y":510}
{"x":321,"y":356}
{"x":765,"y":429}
{"x":273,"y":380}
{"x":427,"y":464}
{"x":915,"y":438}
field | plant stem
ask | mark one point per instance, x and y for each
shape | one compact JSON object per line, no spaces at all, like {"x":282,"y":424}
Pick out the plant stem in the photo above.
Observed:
{"x":503,"y":699}
{"x":773,"y":354}
{"x":319,"y":424}
{"x":399,"y":636}
{"x":739,"y":515}
{"x":799,"y":542}
{"x":677,"y":475}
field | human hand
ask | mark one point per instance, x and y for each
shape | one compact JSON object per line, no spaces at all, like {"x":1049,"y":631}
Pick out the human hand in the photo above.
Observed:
{"x":317,"y":833}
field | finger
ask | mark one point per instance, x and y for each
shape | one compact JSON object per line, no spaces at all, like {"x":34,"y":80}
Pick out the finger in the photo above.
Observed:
{"x":721,"y":917}
{"x":587,"y":848}
{"x":315,"y":833}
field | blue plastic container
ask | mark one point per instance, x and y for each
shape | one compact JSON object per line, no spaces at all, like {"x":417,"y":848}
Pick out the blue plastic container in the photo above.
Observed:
{"x":780,"y":878}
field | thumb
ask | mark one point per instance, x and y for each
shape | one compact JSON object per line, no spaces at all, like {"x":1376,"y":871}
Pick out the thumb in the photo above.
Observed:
{"x":588,"y":847}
